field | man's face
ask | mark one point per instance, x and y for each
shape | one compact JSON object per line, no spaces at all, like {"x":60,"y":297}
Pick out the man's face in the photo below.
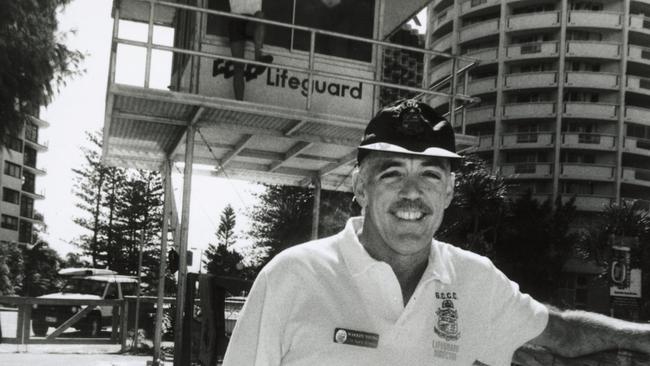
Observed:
{"x":404,"y":197}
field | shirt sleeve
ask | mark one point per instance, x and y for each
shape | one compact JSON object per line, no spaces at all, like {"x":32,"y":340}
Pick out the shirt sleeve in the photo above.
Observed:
{"x":514,"y":319}
{"x":257,"y":337}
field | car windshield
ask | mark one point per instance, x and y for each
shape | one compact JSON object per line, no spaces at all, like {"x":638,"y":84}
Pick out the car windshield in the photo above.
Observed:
{"x":84,"y":286}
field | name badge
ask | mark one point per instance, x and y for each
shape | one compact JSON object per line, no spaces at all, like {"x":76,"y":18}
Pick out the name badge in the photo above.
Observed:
{"x":356,"y":338}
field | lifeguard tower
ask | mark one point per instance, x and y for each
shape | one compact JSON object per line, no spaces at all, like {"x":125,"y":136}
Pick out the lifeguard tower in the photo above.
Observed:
{"x":302,"y":115}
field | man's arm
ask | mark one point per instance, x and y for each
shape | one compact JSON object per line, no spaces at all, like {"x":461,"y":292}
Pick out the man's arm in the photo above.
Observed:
{"x":578,"y":333}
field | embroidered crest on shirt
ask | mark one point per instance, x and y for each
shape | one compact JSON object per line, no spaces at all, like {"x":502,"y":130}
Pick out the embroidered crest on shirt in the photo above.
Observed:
{"x":447,"y":325}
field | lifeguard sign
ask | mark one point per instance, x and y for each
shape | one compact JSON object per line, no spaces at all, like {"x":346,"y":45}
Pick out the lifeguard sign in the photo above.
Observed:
{"x":282,"y":84}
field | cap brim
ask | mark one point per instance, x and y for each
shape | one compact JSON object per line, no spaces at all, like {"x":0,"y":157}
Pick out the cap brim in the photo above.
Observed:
{"x":432,"y":151}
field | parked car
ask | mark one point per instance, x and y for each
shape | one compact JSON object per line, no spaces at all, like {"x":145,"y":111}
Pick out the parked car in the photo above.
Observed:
{"x":86,"y":284}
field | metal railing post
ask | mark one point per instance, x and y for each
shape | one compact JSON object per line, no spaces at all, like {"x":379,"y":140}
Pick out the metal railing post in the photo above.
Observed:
{"x":310,"y":77}
{"x":147,"y":66}
{"x":157,"y":340}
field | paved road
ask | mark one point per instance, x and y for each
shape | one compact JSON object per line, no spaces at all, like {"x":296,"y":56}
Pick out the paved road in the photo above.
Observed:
{"x":65,"y":359}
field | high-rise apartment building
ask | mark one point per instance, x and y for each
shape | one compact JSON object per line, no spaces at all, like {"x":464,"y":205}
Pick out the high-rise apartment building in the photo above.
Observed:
{"x":18,"y":184}
{"x":564,"y":88}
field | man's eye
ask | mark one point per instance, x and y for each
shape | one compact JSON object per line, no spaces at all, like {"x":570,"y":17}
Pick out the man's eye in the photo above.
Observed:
{"x":431,"y":174}
{"x":389,"y":174}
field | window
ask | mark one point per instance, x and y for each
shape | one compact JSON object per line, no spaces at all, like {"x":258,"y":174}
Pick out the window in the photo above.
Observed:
{"x":477,"y":2}
{"x":31,"y":132}
{"x":29,"y":157}
{"x":583,"y":36}
{"x":645,"y":55}
{"x":9,"y":222}
{"x":644,"y":83}
{"x":350,"y":17}
{"x":534,"y":8}
{"x":526,"y":137}
{"x":11,"y":196}
{"x":25,"y":232}
{"x":525,"y":169}
{"x":29,"y":182}
{"x":12,"y":169}
{"x":15,"y":144}
{"x":531,"y":48}
{"x":585,"y":138}
{"x":27,"y":207}
{"x":639,"y":131}
{"x":586,"y":5}
{"x":577,"y":188}
{"x":112,"y":294}
{"x":581,"y":158}
{"x":581,"y":97}
{"x":129,"y":289}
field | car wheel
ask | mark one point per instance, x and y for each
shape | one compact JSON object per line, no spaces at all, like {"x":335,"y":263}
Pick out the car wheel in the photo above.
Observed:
{"x":39,"y":328}
{"x":91,"y":326}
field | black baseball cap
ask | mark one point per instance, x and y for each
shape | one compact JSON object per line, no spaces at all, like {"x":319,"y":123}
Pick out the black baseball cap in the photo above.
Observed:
{"x":412,"y":127}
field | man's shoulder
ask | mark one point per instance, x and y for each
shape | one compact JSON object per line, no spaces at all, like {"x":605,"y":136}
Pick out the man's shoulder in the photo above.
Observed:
{"x":310,"y":255}
{"x":461,"y":257}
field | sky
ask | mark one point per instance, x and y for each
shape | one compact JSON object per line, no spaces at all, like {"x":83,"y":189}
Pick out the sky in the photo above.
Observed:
{"x":80,"y":107}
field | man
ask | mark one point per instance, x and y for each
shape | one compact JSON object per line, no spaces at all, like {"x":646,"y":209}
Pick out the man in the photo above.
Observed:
{"x":240,"y":30}
{"x":383,"y":292}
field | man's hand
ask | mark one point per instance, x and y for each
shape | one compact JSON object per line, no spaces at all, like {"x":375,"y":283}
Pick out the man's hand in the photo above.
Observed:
{"x":578,"y":333}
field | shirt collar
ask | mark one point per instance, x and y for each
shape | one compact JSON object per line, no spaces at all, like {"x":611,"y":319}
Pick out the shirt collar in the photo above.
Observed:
{"x":359,"y":261}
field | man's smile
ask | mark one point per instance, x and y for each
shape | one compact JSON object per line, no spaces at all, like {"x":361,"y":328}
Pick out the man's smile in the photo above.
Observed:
{"x":409,"y":215}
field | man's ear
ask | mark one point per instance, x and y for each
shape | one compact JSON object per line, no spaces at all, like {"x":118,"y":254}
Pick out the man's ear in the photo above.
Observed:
{"x":358,"y":188}
{"x":451,"y":182}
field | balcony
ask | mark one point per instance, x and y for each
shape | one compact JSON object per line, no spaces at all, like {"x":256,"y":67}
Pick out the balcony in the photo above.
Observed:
{"x":587,"y":171}
{"x":38,"y":146}
{"x":33,"y":194}
{"x":527,"y":140}
{"x":637,"y":115}
{"x":440,"y":71}
{"x":529,"y":110}
{"x":638,"y":85}
{"x":479,"y":115}
{"x":595,"y":80}
{"x":590,"y":110}
{"x":591,"y":203}
{"x":531,"y":80}
{"x":482,"y":86}
{"x":639,"y":23}
{"x":638,"y":54}
{"x":593,"y":49}
{"x":35,"y":170}
{"x":444,"y":16}
{"x":484,"y":55}
{"x":636,"y":176}
{"x":638,"y":146}
{"x":527,"y":170}
{"x":470,"y":6}
{"x":593,"y":141}
{"x":441,"y":44}
{"x":532,"y":50}
{"x":485,"y":143}
{"x":479,"y":30}
{"x":548,"y":19}
{"x":595,"y":19}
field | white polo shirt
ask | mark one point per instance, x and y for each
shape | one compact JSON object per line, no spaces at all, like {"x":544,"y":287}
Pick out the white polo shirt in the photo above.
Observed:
{"x":329,"y":303}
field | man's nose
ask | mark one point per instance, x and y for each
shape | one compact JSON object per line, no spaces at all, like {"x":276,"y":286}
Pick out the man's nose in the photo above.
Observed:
{"x":410,"y":189}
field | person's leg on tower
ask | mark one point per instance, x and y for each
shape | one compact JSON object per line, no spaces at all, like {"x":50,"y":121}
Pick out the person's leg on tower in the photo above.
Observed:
{"x":258,"y":39}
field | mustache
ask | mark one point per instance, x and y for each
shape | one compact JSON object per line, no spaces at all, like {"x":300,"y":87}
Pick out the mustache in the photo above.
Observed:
{"x":411,"y":205}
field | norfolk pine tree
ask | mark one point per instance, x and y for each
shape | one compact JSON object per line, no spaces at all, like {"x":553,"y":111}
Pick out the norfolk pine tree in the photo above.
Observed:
{"x":221,"y":259}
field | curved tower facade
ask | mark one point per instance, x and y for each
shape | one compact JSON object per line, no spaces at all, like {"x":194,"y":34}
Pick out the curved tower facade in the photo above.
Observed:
{"x":564,"y":88}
